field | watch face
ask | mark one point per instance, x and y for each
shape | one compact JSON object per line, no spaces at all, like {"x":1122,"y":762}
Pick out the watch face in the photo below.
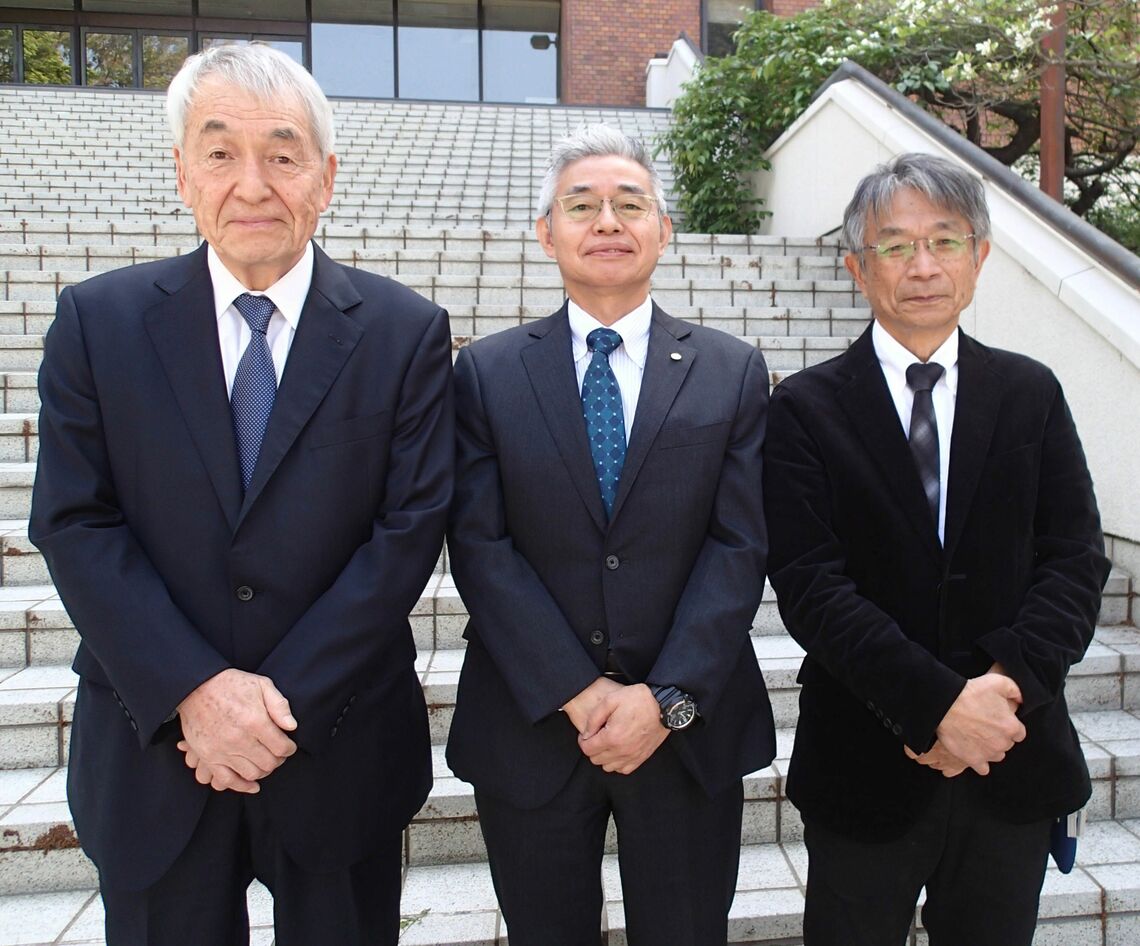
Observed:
{"x":681,"y":714}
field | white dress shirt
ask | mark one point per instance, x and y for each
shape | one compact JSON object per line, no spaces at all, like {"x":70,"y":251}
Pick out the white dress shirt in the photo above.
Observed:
{"x":288,"y":294}
{"x":627,"y":360}
{"x":894,"y":359}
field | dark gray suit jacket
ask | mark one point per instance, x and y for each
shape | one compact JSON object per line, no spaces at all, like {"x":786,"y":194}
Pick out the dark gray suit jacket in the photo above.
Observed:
{"x":670,"y":584}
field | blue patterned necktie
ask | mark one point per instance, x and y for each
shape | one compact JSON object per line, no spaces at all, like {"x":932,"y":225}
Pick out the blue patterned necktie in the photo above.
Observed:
{"x":605,"y":420}
{"x":924,"y":430}
{"x":255,"y":384}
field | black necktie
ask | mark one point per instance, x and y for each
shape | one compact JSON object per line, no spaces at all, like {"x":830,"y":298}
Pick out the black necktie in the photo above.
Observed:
{"x":255,"y":384}
{"x":924,"y":430}
{"x":605,"y":420}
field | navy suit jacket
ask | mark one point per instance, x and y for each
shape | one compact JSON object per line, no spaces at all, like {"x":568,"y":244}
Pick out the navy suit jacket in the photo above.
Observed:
{"x":172,"y":574}
{"x":670,"y":584}
{"x":893,"y":622}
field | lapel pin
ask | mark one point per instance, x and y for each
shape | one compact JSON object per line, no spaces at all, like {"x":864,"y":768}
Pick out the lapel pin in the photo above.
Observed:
{"x":676,"y":355}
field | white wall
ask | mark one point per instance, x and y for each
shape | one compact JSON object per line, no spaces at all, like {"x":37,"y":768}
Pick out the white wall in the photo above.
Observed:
{"x":664,"y":77}
{"x":1038,"y":293}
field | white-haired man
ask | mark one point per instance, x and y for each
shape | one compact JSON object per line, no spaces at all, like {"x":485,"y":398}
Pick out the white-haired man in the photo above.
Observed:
{"x":608,"y":538}
{"x":245,"y":466}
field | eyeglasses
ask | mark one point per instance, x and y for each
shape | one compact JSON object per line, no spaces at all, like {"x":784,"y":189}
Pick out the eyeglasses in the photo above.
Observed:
{"x":584,"y":207}
{"x":941,"y":248}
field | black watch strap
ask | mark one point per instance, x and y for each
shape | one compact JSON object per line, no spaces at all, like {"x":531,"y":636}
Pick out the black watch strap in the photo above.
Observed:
{"x":671,"y":699}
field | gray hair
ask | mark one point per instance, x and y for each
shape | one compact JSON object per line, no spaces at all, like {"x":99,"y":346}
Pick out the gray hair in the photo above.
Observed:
{"x":260,"y":70}
{"x":944,"y":183}
{"x":597,"y":141}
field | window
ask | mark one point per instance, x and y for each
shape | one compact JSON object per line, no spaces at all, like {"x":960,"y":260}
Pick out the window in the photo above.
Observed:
{"x":47,"y":57}
{"x":464,"y":50}
{"x":109,"y":59}
{"x":291,"y":47}
{"x":162,"y":57}
{"x":516,"y":68}
{"x":520,"y":50}
{"x":438,"y":63}
{"x":254,"y":9}
{"x":355,"y":59}
{"x":42,"y":4}
{"x":722,"y":19}
{"x":148,"y":7}
{"x":7,"y":54}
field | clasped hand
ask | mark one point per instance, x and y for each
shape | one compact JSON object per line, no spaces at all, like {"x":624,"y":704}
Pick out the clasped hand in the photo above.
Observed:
{"x":980,"y":727}
{"x":234,"y":730}
{"x":619,"y":727}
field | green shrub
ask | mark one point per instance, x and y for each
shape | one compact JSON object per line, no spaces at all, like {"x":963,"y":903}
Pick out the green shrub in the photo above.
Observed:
{"x":976,"y":64}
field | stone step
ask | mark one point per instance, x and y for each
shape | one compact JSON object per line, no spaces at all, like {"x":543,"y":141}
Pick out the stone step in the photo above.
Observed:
{"x":30,"y":285}
{"x":18,"y":392}
{"x":35,"y":629}
{"x":16,"y":489}
{"x":790,"y":338}
{"x":36,"y":826}
{"x":454,"y":904}
{"x":819,"y":336}
{"x":37,"y":700}
{"x":19,"y":437}
{"x":334,"y":238}
{"x":34,"y":818}
{"x":397,"y":263}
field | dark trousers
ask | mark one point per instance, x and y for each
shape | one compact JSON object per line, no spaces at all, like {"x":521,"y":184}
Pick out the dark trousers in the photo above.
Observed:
{"x":678,"y":852}
{"x":982,"y":876}
{"x":201,"y":900}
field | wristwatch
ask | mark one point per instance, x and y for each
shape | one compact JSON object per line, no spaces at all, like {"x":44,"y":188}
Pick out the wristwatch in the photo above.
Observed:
{"x":678,"y":711}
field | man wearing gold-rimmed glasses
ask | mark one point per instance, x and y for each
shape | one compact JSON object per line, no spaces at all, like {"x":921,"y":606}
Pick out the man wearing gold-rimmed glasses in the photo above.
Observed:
{"x":936,"y":550}
{"x":607,"y":536}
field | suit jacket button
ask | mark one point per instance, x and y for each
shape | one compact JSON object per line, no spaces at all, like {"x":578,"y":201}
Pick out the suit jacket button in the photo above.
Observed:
{"x":612,"y":562}
{"x":597,"y":637}
{"x":244,"y":593}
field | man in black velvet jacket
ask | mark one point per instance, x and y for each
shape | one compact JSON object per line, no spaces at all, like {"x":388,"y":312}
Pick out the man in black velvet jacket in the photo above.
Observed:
{"x":936,"y":550}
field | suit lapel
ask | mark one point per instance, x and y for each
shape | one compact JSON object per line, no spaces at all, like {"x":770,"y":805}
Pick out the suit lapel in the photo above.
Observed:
{"x":660,"y":383}
{"x":867,"y":402}
{"x":549,"y":364}
{"x":975,"y":416}
{"x":184,"y":332}
{"x":325,"y":339}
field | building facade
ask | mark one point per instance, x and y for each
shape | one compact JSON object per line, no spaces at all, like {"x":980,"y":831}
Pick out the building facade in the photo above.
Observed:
{"x":574,"y":52}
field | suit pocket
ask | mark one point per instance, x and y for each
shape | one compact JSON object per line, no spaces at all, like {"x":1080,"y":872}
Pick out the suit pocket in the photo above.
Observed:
{"x":670,"y":437}
{"x":349,"y":430}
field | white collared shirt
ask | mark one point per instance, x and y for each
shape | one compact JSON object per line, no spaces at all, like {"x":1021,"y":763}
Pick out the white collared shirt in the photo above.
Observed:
{"x":288,"y":294}
{"x":627,"y":360}
{"x":894,"y":359}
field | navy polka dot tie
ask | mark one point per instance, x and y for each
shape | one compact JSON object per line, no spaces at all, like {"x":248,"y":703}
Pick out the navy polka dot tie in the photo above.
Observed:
{"x":255,"y":384}
{"x":605,"y":420}
{"x":921,"y":379}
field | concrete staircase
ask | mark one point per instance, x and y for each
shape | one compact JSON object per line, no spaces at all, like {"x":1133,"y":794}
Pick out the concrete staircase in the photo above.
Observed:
{"x":441,"y":197}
